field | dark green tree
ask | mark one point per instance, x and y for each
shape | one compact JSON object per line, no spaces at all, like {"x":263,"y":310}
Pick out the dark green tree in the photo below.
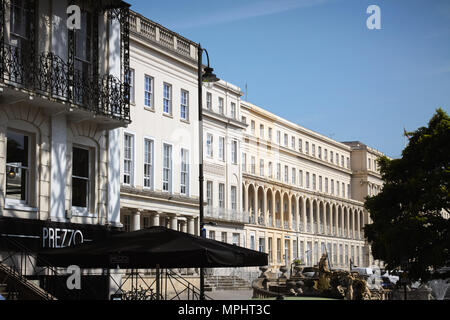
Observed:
{"x":410,"y":227}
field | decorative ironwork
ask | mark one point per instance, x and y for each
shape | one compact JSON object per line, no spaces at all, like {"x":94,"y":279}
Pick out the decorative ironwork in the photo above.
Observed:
{"x":2,"y":34}
{"x":52,"y":78}
{"x":50,"y":75}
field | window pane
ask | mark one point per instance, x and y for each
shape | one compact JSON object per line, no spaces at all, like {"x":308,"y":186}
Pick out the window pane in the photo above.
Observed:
{"x":79,"y":192}
{"x":80,"y":162}
{"x":17,"y":149}
{"x":17,"y":166}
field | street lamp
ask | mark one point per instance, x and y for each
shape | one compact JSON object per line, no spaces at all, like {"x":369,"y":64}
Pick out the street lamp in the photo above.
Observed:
{"x":207,"y":76}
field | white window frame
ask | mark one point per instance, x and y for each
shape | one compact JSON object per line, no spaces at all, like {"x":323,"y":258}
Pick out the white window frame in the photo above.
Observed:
{"x":234,"y":151}
{"x":209,"y":145}
{"x":29,"y":173}
{"x":169,"y":169}
{"x":167,"y":97}
{"x":208,"y":100}
{"x":184,"y":171}
{"x":131,"y":160}
{"x":184,"y":104}
{"x":209,"y":193}
{"x":221,"y":195}
{"x":149,"y":179}
{"x":90,"y":194}
{"x":148,"y":92}
{"x":233,"y":197}
{"x":233,"y":111}
{"x":222,"y":148}
{"x":221,"y":105}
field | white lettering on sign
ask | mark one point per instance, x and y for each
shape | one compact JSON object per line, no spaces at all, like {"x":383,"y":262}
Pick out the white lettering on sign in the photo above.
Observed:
{"x":60,"y":238}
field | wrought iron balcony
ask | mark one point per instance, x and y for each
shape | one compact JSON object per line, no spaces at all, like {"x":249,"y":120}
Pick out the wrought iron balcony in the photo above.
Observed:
{"x":48,"y":75}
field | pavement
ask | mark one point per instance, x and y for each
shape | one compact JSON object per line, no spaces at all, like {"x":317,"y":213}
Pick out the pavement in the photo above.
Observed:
{"x":230,"y":294}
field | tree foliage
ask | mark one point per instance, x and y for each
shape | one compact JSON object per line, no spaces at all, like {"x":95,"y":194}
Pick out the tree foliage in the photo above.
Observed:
{"x":410,"y":229}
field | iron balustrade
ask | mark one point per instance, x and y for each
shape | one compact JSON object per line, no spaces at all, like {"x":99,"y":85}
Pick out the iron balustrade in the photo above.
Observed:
{"x":49,"y":75}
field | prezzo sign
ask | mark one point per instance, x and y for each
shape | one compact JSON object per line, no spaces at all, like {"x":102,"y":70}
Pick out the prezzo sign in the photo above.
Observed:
{"x":61,"y":238}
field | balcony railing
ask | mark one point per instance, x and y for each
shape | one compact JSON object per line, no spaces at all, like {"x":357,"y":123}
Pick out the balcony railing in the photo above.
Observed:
{"x":49,"y":75}
{"x":150,"y":30}
{"x":227,"y":215}
{"x":261,"y":220}
{"x":286,"y":224}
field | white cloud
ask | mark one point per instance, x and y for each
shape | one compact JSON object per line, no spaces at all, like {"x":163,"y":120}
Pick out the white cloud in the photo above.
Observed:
{"x":252,"y":10}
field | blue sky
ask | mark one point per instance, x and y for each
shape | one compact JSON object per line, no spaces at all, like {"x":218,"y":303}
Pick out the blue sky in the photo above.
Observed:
{"x":316,"y":63}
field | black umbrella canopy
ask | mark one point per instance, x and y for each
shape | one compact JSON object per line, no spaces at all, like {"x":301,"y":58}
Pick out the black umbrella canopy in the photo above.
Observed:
{"x":151,"y":248}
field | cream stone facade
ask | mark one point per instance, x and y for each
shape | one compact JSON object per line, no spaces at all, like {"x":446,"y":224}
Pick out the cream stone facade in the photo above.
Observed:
{"x":159,"y":149}
{"x":222,"y":136}
{"x":297,"y":191}
{"x":270,"y":184}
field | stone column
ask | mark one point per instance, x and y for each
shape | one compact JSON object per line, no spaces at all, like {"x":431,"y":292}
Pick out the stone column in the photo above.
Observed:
{"x":190,"y":225}
{"x":155,"y":219}
{"x":183,"y":226}
{"x":297,"y":214}
{"x":174,"y":222}
{"x":136,"y":220}
{"x":282,"y":213}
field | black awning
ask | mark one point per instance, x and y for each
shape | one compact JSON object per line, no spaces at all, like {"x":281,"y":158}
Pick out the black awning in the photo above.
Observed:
{"x":151,"y":248}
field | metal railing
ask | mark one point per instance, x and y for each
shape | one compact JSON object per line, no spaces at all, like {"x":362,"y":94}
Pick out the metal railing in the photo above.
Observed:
{"x":49,"y":75}
{"x":226,"y":214}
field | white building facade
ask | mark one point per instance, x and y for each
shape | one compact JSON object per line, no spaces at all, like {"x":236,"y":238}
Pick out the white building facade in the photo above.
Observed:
{"x":159,"y":149}
{"x":222,"y":137}
{"x":62,"y":97}
{"x":270,"y":184}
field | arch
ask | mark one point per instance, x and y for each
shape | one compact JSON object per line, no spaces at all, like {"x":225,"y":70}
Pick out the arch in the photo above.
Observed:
{"x":345,"y":226}
{"x":261,"y":206}
{"x":294,"y":217}
{"x":328,"y":218}
{"x":350,"y":222}
{"x":278,"y":209}
{"x":285,"y":210}
{"x":244,"y":197}
{"x":301,"y":218}
{"x":321,"y":217}
{"x":339,"y":220}
{"x":334,"y":219}
{"x":251,"y":202}
{"x":315,"y":216}
{"x":270,"y":205}
{"x":308,"y":215}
